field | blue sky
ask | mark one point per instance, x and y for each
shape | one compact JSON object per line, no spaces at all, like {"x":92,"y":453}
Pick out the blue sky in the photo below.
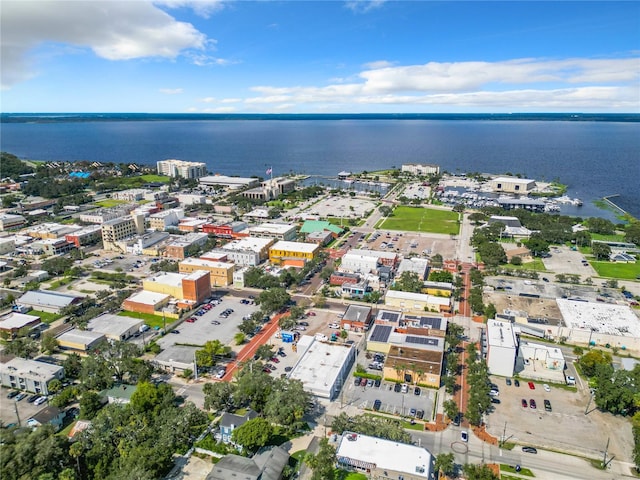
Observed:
{"x":319,"y":57}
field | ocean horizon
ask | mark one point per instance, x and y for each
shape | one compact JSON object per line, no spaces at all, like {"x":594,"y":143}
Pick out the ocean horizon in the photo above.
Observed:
{"x":595,"y":155}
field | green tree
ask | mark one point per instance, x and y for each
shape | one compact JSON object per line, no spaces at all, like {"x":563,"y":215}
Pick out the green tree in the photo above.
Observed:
{"x":601,"y":251}
{"x":516,"y":260}
{"x":408,"y":282}
{"x":632,"y":233}
{"x":219,"y":396}
{"x":445,"y":462}
{"x":248,"y":326}
{"x":286,"y":322}
{"x":601,"y":226}
{"x":386,"y":210}
{"x":478,"y":472}
{"x":490,"y":311}
{"x":450,"y":409}
{"x":591,"y":359}
{"x":437,"y":261}
{"x":239,"y":338}
{"x":253,"y":434}
{"x":441,"y":276}
{"x":287,"y":403}
{"x":265,"y":352}
{"x":273,"y":300}
{"x":477,"y":218}
{"x":211,"y":352}
{"x":322,"y":463}
{"x":48,"y":344}
{"x":90,"y":404}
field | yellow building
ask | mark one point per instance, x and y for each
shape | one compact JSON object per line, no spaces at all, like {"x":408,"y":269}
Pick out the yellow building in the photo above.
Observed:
{"x":221,"y":272}
{"x":417,"y":302}
{"x":439,"y":289}
{"x":293,"y":253}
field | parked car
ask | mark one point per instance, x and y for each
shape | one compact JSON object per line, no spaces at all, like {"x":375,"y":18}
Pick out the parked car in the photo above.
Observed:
{"x":420,"y":414}
{"x":175,"y":331}
{"x":464,"y":436}
{"x":494,"y":393}
{"x":571,"y":380}
{"x":363,"y":382}
{"x":404,"y":388}
{"x":12,"y":393}
{"x":221,"y":373}
{"x":369,"y":383}
{"x":529,"y":450}
{"x":33,"y":398}
{"x":412,"y":412}
{"x":266,"y":370}
{"x":376,"y":383}
{"x":311,"y":314}
{"x":532,"y":386}
{"x":304,"y":324}
{"x":334,"y":325}
{"x":532,"y":404}
{"x":546,"y":387}
{"x":397,"y":387}
{"x":495,"y":400}
{"x":524,"y":403}
{"x":376,"y":405}
{"x":20,"y":396}
{"x":275,"y":360}
{"x":356,"y":382}
{"x":547,"y":405}
{"x":516,"y":383}
{"x":416,"y":391}
{"x":40,"y":400}
{"x":508,"y":380}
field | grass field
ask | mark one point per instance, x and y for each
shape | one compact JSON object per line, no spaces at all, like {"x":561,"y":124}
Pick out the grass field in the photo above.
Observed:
{"x":536,"y":265}
{"x":149,"y":319}
{"x":625,"y":271}
{"x":46,"y":317}
{"x":416,"y":219}
{"x":607,"y":238}
{"x":109,"y":202}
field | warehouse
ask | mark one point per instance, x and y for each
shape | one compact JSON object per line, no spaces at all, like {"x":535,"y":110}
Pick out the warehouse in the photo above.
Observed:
{"x":115,"y":327}
{"x":80,"y":340}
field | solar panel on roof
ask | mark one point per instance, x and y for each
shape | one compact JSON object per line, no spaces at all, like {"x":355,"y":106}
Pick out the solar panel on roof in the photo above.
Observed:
{"x":422,"y":340}
{"x":381,"y":333}
{"x":390,"y":316}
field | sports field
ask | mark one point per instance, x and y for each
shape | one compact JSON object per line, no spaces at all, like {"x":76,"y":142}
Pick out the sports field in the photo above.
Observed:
{"x":625,"y":271}
{"x":417,"y":219}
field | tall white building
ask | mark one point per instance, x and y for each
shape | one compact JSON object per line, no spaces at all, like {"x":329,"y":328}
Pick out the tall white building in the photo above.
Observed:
{"x":182,"y":168}
{"x":502,"y":347}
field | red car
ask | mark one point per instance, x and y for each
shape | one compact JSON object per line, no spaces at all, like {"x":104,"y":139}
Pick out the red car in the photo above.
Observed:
{"x":312,"y":314}
{"x":190,"y":320}
{"x":275,"y":360}
{"x":532,"y":386}
{"x":266,"y":370}
{"x":524,"y":403}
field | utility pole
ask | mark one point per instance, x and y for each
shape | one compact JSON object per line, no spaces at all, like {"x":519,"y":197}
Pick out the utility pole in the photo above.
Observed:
{"x":586,"y":410}
{"x":606,"y":449}
{"x":15,"y":405}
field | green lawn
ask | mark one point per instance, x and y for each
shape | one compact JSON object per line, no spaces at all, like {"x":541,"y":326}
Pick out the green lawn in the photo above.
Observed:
{"x":607,"y":238}
{"x":525,"y":472}
{"x":46,"y":317}
{"x":417,"y":219}
{"x":155,"y":178}
{"x":626,"y":271}
{"x":109,"y":202}
{"x":149,"y":319}
{"x":344,"y":475}
{"x":536,"y":265}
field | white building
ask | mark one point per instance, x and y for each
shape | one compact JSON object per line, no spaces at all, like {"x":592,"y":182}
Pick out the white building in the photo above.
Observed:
{"x":512,"y":185}
{"x":115,"y":327}
{"x":29,"y":375}
{"x":9,"y":221}
{"x":165,"y":219}
{"x":233,"y":183}
{"x":417,"y":265}
{"x":7,"y":245}
{"x":191,"y":199}
{"x":421,"y":169}
{"x":181,"y":168}
{"x":130,"y":195}
{"x":357,"y":262}
{"x":501,"y":348}
{"x":323,"y":367}
{"x":384,"y":459}
{"x":279,"y":231}
{"x":249,"y":251}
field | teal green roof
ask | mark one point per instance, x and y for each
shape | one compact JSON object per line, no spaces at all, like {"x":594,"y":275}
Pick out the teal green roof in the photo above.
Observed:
{"x":311,"y":226}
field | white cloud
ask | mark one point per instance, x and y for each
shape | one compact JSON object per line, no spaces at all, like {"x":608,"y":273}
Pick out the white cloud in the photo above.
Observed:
{"x":522,"y":84}
{"x":363,"y":6}
{"x":114,"y":30}
{"x":378,"y":64}
{"x":203,"y":8}
{"x":171,"y":91}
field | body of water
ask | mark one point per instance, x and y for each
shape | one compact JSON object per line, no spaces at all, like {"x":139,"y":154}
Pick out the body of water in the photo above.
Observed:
{"x":594,"y":158}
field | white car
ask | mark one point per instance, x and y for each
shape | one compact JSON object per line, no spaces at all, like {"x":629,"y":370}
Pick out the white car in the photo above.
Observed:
{"x":546,"y":387}
{"x":40,"y":400}
{"x":334,"y":325}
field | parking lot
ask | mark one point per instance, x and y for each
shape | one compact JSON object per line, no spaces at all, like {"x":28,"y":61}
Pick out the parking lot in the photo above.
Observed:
{"x":564,"y":428}
{"x":8,"y":408}
{"x":202,"y":329}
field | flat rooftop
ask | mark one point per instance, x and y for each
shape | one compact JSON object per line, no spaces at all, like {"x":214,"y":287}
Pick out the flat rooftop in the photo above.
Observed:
{"x":319,"y":367}
{"x":202,"y":262}
{"x":17,"y":321}
{"x":84,"y":337}
{"x":295,"y":246}
{"x":500,"y":334}
{"x":356,"y":449}
{"x":273,"y":228}
{"x":113,"y":324}
{"x":253,"y":244}
{"x":236,"y":182}
{"x":371,"y":253}
{"x":600,"y":317}
{"x":148,"y":298}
